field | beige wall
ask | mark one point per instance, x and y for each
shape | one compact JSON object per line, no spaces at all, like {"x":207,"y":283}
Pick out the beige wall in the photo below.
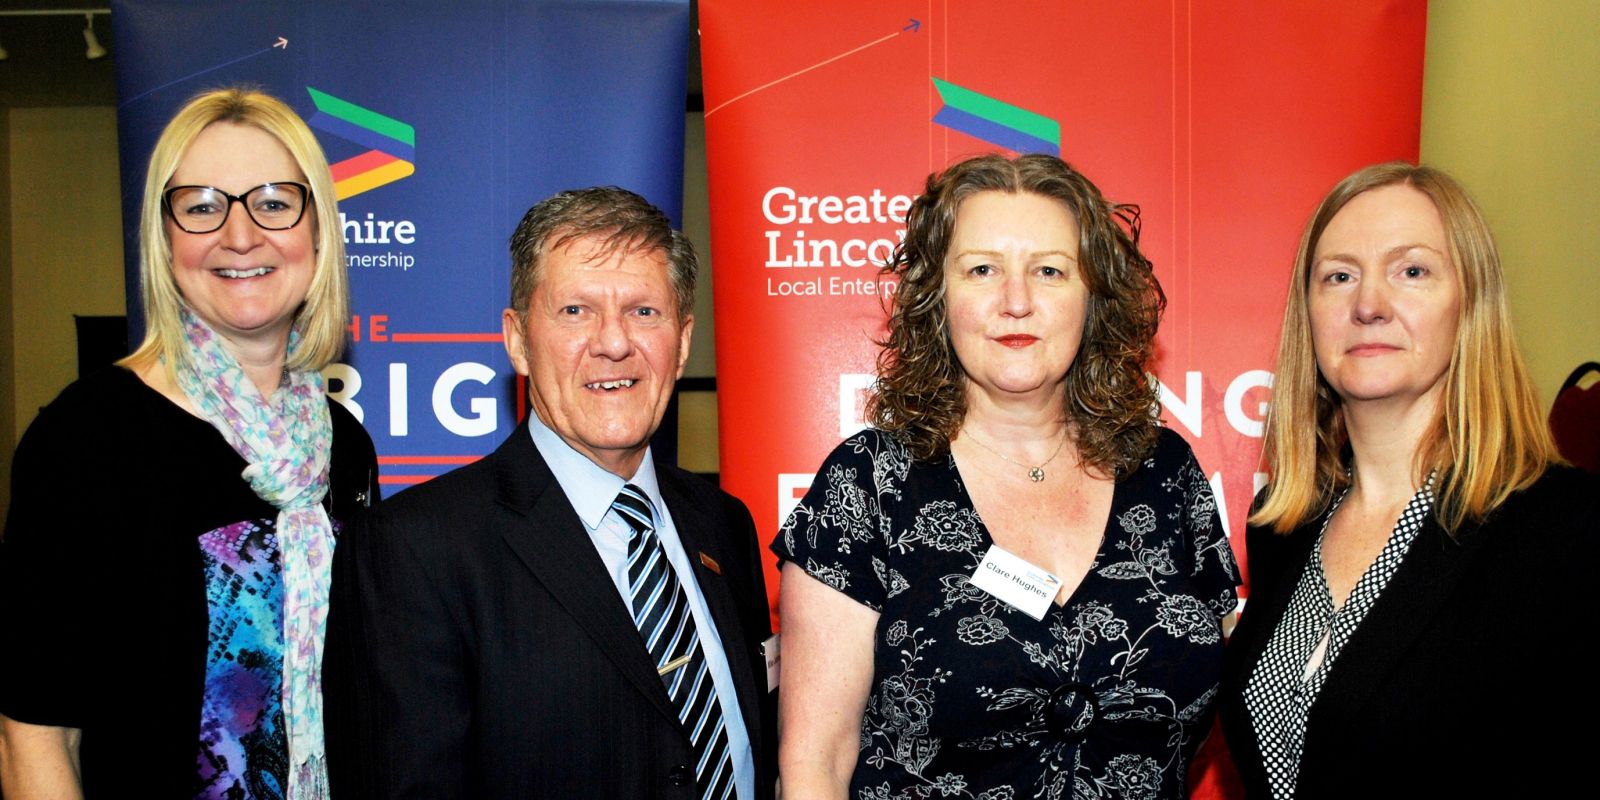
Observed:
{"x":697,"y":411}
{"x":65,"y":245}
{"x":1511,"y":107}
{"x":8,"y":377}
{"x":697,"y":227}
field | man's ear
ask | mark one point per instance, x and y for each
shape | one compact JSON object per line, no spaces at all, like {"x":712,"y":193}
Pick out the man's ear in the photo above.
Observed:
{"x":515,"y":334}
{"x":684,"y":337}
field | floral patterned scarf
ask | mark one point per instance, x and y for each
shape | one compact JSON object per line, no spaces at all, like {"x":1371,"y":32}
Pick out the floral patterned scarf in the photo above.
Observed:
{"x":286,"y":439}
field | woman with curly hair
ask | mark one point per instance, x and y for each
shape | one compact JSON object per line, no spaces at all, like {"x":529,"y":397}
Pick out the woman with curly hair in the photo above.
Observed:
{"x":1012,"y":586}
{"x":1419,"y":563}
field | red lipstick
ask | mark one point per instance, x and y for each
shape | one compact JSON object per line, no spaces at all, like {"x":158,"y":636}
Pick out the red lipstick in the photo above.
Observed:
{"x":1016,"y":340}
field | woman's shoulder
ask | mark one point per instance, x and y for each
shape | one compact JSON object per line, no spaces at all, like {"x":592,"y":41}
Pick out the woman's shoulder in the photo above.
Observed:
{"x":1170,"y":456}
{"x":347,"y":430}
{"x":1171,"y":446}
{"x":1539,"y":547}
{"x":96,"y":389}
{"x":1263,"y":538}
{"x":873,"y":439}
{"x":1563,"y":503}
{"x":102,"y":402}
{"x":870,"y":446}
{"x":98,"y":432}
{"x":1563,"y":485}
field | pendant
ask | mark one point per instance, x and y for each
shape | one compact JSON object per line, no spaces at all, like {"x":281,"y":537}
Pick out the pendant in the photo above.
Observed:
{"x":1037,"y":474}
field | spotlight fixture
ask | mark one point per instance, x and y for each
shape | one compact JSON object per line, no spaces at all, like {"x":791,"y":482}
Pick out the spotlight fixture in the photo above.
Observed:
{"x":93,"y":50}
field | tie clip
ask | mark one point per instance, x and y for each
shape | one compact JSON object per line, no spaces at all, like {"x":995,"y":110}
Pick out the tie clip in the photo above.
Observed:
{"x":673,"y":664}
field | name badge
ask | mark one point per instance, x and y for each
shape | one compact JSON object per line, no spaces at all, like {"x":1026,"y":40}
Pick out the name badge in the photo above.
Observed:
{"x":769,"y":649}
{"x":1017,"y":583}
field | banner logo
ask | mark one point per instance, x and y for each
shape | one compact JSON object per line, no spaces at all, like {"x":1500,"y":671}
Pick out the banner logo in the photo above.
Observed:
{"x":996,"y":121}
{"x":393,"y":144}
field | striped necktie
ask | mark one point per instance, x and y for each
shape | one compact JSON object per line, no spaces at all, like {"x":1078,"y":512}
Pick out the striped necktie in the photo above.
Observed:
{"x":661,"y":612}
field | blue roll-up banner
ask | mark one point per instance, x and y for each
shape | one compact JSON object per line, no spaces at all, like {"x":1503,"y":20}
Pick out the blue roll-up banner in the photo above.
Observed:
{"x":443,"y":124}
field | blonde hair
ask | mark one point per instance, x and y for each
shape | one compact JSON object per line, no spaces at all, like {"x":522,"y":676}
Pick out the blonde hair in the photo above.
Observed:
{"x":1488,"y":438}
{"x":320,"y":320}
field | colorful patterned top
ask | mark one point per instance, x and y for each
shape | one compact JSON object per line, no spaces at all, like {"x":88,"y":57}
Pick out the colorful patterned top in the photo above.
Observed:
{"x":139,"y":573}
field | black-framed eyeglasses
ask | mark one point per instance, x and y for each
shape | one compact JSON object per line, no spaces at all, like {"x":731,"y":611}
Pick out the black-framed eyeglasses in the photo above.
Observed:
{"x":203,"y":209}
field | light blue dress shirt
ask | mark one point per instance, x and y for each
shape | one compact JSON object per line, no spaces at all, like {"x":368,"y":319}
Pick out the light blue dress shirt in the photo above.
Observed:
{"x":591,"y":490}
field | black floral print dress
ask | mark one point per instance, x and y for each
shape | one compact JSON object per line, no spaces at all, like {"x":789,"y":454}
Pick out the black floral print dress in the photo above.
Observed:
{"x":1107,"y":696}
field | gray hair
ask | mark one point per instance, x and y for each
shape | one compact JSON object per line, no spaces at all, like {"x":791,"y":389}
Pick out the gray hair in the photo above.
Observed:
{"x":621,"y":218}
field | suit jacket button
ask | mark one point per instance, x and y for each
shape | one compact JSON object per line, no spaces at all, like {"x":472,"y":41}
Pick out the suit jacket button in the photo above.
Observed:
{"x":681,"y":775}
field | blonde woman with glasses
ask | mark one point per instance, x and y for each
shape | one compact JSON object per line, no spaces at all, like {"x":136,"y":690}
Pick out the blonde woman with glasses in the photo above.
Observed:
{"x":164,"y":573}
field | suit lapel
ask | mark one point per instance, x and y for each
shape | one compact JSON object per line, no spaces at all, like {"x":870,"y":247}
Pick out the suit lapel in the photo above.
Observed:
{"x":552,"y":543}
{"x":1419,"y":590}
{"x":700,"y":534}
{"x":1285,"y":560}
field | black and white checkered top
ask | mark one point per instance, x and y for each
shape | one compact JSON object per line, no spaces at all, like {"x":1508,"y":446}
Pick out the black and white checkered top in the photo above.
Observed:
{"x":1287,"y":680}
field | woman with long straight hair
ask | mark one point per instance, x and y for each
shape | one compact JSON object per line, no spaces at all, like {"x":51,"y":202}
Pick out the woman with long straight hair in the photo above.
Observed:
{"x":1419,"y":562}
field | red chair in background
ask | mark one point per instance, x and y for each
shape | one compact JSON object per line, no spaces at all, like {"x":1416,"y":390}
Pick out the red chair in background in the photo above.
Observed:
{"x":1575,"y":418}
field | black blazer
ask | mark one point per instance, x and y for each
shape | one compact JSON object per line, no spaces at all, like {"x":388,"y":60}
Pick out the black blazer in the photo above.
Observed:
{"x":476,"y":647}
{"x":1465,"y":679}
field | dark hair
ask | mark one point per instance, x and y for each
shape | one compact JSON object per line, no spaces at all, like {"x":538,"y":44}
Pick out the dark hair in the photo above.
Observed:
{"x":623,"y":219}
{"x":1110,"y":402}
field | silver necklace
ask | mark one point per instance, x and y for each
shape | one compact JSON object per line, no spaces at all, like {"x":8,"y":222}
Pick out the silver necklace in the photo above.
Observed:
{"x":1035,"y":473}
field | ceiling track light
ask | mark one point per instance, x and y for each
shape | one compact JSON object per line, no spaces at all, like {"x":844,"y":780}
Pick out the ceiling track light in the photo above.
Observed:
{"x":92,"y":48}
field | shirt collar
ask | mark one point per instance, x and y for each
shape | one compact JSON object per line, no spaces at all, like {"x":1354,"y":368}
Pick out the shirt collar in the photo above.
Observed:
{"x":588,"y":486}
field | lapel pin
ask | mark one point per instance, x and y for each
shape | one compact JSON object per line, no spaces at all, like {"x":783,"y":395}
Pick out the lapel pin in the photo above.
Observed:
{"x":710,"y":563}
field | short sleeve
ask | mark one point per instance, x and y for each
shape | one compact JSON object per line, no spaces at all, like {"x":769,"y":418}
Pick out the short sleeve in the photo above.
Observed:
{"x":835,"y":533}
{"x":44,"y":577}
{"x":1214,"y":571}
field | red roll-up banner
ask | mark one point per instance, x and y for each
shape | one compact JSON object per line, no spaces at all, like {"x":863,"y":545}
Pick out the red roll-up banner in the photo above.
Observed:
{"x":1224,"y":122}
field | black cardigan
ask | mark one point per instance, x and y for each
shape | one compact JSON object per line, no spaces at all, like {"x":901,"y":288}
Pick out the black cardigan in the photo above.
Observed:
{"x":1466,"y":677}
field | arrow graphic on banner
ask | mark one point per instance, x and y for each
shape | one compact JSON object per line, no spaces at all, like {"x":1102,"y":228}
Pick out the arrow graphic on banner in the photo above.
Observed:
{"x":392,"y":142}
{"x":913,"y":27}
{"x":996,"y":121}
{"x":282,"y":42}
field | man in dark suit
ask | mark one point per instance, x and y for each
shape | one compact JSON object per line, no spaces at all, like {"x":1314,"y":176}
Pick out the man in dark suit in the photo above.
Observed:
{"x":566,"y":617}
